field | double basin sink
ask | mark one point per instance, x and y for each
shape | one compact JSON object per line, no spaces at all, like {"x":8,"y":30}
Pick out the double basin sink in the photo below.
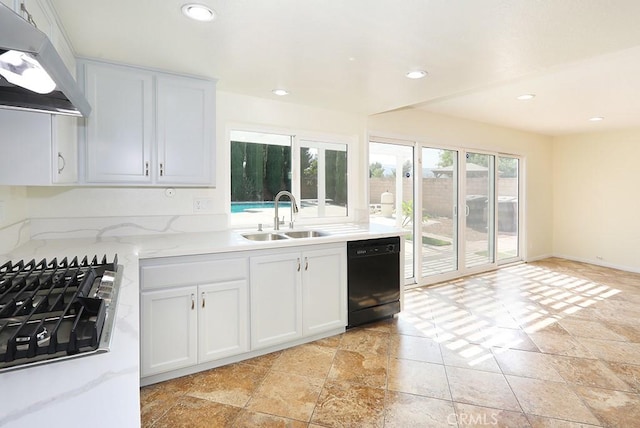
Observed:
{"x":274,"y":236}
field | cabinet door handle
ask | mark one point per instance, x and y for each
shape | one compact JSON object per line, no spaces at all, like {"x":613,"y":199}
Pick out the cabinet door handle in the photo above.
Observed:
{"x":193,"y":302}
{"x":298,"y":264}
{"x":203,"y":299}
{"x":146,"y":169}
{"x":64,"y":163}
{"x":306,"y":263}
{"x":161,"y":169}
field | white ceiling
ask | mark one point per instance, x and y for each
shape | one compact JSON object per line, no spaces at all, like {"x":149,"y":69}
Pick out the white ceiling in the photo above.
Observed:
{"x":580,"y":57}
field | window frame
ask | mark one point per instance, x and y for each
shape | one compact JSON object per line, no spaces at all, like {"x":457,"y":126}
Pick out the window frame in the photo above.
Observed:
{"x":297,"y":139}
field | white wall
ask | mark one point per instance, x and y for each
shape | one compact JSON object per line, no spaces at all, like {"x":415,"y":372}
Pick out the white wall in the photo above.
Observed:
{"x":13,"y":205}
{"x":596,"y":204}
{"x":14,"y":229}
{"x":412,"y":124}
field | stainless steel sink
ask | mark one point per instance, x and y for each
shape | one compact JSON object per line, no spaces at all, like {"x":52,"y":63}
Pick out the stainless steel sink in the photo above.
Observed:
{"x":263,"y":236}
{"x":304,"y":234}
{"x":272,"y":236}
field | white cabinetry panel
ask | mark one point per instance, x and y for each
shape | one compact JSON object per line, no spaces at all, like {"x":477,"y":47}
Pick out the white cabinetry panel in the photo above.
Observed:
{"x":194,"y":310}
{"x":148,"y":127}
{"x":38,"y":149}
{"x":297,"y":294}
{"x":169,"y":330}
{"x":185,"y":131}
{"x":276,"y":299}
{"x":222,"y":320}
{"x":119,"y":128}
{"x":324,"y":291}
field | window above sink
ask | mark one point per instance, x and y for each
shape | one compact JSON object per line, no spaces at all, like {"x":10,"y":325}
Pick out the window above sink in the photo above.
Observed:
{"x":314,"y":169}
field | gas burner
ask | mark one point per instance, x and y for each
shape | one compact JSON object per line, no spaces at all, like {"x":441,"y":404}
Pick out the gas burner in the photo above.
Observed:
{"x":56,"y":309}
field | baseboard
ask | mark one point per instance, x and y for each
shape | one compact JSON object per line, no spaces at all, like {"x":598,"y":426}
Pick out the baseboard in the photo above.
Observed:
{"x":537,"y":258}
{"x":598,"y":263}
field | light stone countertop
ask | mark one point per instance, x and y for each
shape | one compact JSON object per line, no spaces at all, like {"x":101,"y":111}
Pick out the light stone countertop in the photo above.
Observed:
{"x":104,"y":388}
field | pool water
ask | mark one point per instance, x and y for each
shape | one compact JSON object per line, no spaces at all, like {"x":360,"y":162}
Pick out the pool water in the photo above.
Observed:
{"x":238,"y":207}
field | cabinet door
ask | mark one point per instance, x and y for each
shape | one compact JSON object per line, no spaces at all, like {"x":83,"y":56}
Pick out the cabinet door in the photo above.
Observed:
{"x":324,"y":290}
{"x":222,"y":320}
{"x":276,"y":299}
{"x":65,"y":149}
{"x":119,"y":130}
{"x":185,"y":130}
{"x":25,"y":144}
{"x":168,"y":330}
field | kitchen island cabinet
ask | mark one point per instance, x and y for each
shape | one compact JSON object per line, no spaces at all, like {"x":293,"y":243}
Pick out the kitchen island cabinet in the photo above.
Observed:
{"x":147,"y":127}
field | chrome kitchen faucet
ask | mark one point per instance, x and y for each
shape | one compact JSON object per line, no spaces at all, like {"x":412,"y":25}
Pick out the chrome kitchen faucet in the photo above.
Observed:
{"x":294,"y":209}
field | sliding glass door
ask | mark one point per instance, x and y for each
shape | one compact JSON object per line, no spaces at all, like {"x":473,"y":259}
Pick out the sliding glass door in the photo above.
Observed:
{"x":391,"y":189}
{"x":439,"y":213}
{"x":508,"y":191}
{"x":479,"y":185}
{"x":460,"y":213}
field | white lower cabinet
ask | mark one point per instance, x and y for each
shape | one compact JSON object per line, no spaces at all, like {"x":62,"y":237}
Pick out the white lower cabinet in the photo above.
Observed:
{"x":184,"y":325}
{"x":276,"y":299}
{"x":222,"y":320}
{"x":296,"y":294}
{"x":201,"y":311}
{"x":169,"y":330}
{"x":324,"y":290}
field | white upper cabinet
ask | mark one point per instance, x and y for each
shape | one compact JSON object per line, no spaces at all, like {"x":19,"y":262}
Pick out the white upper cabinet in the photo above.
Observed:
{"x":184,"y":132}
{"x":147,"y":127}
{"x":38,"y":149}
{"x":118,"y":131}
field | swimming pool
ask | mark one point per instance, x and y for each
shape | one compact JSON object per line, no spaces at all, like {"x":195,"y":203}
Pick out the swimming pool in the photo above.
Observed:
{"x":238,"y":207}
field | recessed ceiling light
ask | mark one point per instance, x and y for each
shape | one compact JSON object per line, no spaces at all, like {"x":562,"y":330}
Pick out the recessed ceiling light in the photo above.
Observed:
{"x":526,"y":97}
{"x":416,"y":74}
{"x":280,"y":92}
{"x":199,"y":12}
{"x":596,"y":119}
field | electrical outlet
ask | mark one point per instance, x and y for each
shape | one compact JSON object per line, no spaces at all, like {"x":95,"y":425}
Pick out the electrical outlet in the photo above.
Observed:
{"x":201,"y":205}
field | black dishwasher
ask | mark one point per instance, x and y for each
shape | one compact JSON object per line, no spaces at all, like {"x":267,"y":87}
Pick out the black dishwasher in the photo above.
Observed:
{"x":373,"y":279}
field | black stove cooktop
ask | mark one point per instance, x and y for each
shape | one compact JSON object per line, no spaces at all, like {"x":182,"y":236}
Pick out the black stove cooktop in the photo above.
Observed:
{"x":56,"y":309}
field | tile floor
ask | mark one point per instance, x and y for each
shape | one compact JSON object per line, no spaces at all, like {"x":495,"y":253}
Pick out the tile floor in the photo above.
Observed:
{"x":546,"y":344}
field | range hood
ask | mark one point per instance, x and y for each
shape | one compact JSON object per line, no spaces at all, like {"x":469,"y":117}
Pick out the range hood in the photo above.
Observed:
{"x":25,"y":50}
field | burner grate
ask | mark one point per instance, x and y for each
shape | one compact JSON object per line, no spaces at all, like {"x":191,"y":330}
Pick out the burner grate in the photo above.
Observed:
{"x":52,"y":309}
